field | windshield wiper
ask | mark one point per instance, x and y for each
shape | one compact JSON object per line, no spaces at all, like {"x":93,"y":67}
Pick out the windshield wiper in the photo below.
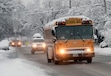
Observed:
{"x":80,"y":36}
{"x":69,"y":37}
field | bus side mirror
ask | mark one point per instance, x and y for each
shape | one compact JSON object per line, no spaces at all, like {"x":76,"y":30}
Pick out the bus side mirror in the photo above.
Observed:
{"x":53,"y":33}
{"x":53,"y":40}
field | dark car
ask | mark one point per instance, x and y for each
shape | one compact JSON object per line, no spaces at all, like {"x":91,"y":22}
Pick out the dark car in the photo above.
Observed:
{"x":15,"y":43}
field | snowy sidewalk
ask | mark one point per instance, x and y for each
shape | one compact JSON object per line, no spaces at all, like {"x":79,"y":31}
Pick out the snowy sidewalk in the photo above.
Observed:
{"x":18,"y":67}
{"x":102,"y":51}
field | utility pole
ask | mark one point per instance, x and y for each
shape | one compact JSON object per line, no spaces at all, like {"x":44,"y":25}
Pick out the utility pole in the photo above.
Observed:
{"x":52,"y":12}
{"x":70,"y":4}
{"x":105,"y":7}
{"x":15,"y":27}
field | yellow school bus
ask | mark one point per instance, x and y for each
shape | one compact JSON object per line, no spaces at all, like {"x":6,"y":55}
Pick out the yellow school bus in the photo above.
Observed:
{"x":69,"y":38}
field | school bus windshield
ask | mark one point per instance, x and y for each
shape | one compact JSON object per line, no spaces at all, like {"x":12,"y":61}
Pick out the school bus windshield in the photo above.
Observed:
{"x":74,"y":32}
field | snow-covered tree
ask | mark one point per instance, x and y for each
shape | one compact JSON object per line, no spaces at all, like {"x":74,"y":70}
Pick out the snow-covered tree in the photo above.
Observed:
{"x":34,"y":14}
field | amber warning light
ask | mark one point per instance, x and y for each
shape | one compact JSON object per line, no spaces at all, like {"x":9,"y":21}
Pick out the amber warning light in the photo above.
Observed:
{"x":74,"y":21}
{"x":60,"y":23}
{"x":87,"y":22}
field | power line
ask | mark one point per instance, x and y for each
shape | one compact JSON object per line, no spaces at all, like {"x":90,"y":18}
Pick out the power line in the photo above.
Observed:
{"x":52,"y":10}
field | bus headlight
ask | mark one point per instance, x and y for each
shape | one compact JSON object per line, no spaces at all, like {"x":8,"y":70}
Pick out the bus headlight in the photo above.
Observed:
{"x":34,"y":45}
{"x":88,"y":50}
{"x":62,"y":51}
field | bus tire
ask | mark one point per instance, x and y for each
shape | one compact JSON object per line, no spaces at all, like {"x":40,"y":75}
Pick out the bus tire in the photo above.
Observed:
{"x":32,"y":52}
{"x":48,"y":60}
{"x":89,"y":60}
{"x":56,"y":62}
{"x":75,"y":60}
{"x":49,"y":54}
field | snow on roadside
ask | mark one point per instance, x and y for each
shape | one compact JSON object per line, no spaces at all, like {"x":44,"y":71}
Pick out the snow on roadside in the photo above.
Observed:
{"x":5,"y":53}
{"x":18,"y":67}
{"x":102,"y":51}
{"x":4,"y":43}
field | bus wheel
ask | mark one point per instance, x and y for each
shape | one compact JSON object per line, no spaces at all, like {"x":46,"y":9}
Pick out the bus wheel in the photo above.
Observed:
{"x":89,"y":60}
{"x":48,"y":60}
{"x":75,"y":60}
{"x":56,"y":62}
{"x":32,"y":52}
{"x":80,"y":60}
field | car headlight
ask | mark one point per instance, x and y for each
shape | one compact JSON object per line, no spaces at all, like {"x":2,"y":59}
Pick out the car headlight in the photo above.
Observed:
{"x":19,"y":43}
{"x":44,"y":45}
{"x":34,"y":45}
{"x":13,"y":43}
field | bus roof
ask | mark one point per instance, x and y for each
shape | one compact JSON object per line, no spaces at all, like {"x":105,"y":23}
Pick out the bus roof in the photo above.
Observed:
{"x":52,"y":23}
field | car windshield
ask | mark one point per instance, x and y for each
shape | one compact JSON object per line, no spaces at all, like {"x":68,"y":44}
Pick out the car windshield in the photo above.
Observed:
{"x":38,"y":40}
{"x":74,"y":32}
{"x":15,"y":40}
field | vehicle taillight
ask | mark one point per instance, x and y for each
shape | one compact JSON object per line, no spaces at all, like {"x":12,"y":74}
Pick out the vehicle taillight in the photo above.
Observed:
{"x":61,"y":23}
{"x":86,"y":22}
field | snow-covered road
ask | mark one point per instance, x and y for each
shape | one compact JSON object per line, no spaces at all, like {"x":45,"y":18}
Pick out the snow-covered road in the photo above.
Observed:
{"x":21,"y":67}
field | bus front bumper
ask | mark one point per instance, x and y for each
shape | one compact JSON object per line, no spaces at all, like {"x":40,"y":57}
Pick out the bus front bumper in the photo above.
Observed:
{"x":74,"y":56}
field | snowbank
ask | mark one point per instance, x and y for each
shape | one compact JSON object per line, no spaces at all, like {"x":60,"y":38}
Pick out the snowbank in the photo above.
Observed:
{"x":4,"y":43}
{"x":102,"y":51}
{"x":16,"y":66}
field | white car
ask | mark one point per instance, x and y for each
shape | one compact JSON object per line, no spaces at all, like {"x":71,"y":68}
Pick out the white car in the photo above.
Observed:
{"x":103,"y":44}
{"x":4,"y":45}
{"x":37,"y":36}
{"x":38,"y":45}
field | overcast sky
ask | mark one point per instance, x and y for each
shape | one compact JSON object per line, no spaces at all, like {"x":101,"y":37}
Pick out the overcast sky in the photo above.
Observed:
{"x":27,"y":2}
